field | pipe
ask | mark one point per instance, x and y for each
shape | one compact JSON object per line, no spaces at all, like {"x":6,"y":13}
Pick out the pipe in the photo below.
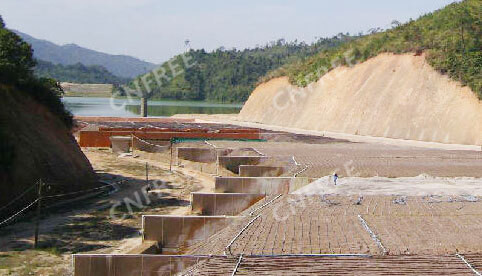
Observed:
{"x":264,"y":205}
{"x":301,"y":171}
{"x":228,"y":248}
{"x":237,"y":265}
{"x":468,"y":264}
{"x":374,"y":237}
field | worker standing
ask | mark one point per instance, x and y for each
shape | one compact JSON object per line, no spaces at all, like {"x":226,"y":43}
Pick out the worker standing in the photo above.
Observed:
{"x":335,"y":178}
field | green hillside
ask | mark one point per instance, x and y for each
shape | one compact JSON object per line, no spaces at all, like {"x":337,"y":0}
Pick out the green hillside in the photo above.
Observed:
{"x":230,"y":75}
{"x":450,"y":38}
{"x":77,"y":73}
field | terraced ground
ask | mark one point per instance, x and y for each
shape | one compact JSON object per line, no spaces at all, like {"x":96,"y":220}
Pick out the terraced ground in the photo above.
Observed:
{"x":333,"y":225}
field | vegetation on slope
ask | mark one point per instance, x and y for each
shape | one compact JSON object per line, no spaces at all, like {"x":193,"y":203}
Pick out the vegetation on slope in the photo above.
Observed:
{"x":77,"y":73}
{"x":16,"y":70}
{"x":450,"y":38}
{"x":230,"y":75}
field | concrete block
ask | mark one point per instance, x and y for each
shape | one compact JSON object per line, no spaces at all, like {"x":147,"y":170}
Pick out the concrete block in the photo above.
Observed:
{"x":260,"y":171}
{"x":175,"y":233}
{"x":120,"y":144}
{"x":261,"y":185}
{"x":232,"y":163}
{"x":127,"y":264}
{"x":147,"y":247}
{"x":216,"y":204}
{"x":151,"y":145}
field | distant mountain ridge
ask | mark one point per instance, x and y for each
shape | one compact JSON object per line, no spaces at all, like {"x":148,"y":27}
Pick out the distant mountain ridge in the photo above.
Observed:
{"x":69,"y":54}
{"x":77,"y":73}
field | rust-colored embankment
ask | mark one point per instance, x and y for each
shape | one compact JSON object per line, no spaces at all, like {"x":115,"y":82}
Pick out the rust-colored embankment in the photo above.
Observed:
{"x":101,"y":137}
{"x":395,"y":96}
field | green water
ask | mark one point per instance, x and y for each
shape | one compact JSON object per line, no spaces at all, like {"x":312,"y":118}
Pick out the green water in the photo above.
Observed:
{"x":85,"y":106}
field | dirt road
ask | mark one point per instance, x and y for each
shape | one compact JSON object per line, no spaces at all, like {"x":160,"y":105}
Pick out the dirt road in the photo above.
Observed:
{"x":103,"y":224}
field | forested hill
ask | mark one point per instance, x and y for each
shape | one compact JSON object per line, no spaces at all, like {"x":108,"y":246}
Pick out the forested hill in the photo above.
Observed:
{"x":449,"y":37}
{"x":77,"y":73}
{"x":230,"y":75}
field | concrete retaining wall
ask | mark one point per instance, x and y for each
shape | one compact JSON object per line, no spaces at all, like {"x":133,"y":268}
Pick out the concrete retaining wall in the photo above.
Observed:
{"x":200,"y":159}
{"x":232,"y":163}
{"x":128,"y":265}
{"x":151,"y":145}
{"x":216,"y":204}
{"x":204,"y":155}
{"x":260,"y":171}
{"x":174,"y":233}
{"x":261,"y":185}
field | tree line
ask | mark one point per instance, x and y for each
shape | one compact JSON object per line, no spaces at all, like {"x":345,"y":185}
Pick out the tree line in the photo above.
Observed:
{"x":449,"y":37}
{"x":230,"y":75}
{"x":77,"y":73}
{"x":17,"y":71}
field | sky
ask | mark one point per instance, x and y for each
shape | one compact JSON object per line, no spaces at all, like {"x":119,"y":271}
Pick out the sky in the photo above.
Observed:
{"x":155,"y":30}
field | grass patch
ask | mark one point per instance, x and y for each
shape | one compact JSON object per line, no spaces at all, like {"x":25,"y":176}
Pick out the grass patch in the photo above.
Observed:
{"x":53,"y":250}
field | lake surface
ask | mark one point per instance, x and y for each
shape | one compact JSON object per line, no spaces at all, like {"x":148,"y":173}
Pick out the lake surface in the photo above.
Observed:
{"x":85,"y":106}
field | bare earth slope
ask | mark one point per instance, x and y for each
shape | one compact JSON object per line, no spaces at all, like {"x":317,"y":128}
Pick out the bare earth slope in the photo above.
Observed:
{"x":43,"y":148}
{"x":395,"y":96}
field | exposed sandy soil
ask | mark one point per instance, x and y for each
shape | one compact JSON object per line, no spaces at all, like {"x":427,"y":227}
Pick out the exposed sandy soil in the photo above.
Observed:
{"x":35,"y":144}
{"x":235,"y":119}
{"x":90,"y":228}
{"x":409,"y":186}
{"x":367,"y":160}
{"x":397,"y":96}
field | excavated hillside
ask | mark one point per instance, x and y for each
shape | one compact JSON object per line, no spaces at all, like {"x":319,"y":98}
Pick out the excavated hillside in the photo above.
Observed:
{"x":395,"y":96}
{"x":36,"y":145}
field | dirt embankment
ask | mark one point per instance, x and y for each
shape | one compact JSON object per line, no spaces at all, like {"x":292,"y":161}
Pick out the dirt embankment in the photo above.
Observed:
{"x":37,"y":145}
{"x":395,"y":96}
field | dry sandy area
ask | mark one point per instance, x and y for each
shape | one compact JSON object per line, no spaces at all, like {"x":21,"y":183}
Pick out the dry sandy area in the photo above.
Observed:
{"x":88,"y":226}
{"x":368,"y":160}
{"x":235,"y":119}
{"x":408,"y":186}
